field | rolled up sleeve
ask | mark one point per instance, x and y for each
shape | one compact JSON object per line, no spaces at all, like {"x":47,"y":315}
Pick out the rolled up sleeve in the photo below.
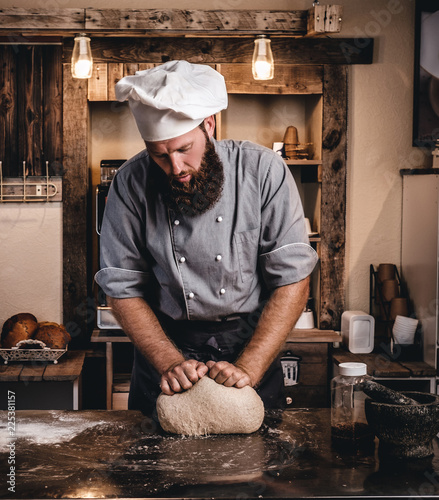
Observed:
{"x":125,"y":268}
{"x":288,"y":264}
{"x":285,"y":254}
{"x":123,"y":283}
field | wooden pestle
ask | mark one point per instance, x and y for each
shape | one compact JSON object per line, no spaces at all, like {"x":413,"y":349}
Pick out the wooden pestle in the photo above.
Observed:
{"x":382,"y":394}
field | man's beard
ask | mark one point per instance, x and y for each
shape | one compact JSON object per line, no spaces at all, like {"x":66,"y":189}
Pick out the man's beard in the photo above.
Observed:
{"x":202,"y":191}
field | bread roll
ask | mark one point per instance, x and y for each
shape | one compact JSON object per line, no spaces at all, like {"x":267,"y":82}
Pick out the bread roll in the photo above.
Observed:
{"x":19,"y":327}
{"x":53,"y":335}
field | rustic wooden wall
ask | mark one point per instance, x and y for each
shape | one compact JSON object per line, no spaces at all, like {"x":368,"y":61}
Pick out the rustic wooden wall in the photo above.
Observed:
{"x":52,"y":86}
{"x":8,"y":111}
{"x":31,"y":109}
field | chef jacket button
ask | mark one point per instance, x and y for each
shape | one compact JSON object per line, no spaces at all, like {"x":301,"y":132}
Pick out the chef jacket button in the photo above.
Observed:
{"x":222,"y":291}
{"x":191,"y":295}
{"x":176,"y":222}
{"x":218,"y":258}
{"x":219,"y":219}
{"x":182,"y":259}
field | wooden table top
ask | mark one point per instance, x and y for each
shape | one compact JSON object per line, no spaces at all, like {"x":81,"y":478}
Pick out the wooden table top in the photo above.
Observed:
{"x":123,"y":454}
{"x":68,"y":368}
{"x":380,"y":365}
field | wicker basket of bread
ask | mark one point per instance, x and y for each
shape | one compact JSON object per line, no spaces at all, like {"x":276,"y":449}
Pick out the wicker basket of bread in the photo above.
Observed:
{"x":23,"y":338}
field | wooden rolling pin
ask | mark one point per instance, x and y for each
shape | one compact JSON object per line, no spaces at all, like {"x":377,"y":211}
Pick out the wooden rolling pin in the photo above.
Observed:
{"x":382,"y":394}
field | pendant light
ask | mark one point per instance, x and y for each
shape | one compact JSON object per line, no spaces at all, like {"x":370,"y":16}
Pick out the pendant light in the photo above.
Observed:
{"x":82,"y":61}
{"x":262,"y":63}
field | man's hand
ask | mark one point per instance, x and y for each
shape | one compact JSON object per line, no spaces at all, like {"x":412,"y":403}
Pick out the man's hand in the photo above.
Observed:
{"x":182,"y":376}
{"x":227,"y":374}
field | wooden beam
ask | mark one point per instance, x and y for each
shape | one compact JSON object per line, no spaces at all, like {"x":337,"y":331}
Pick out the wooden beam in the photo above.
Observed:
{"x":333,"y":213}
{"x":77,"y":306}
{"x":176,"y":21}
{"x":17,"y":18}
{"x":308,"y":51}
{"x":19,"y":22}
{"x":14,"y":39}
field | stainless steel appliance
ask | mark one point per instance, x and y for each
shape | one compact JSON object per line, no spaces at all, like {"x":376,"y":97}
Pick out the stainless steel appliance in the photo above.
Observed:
{"x":105,"y":317}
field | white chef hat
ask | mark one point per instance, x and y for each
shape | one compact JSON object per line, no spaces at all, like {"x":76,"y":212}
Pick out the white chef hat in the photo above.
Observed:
{"x":171,"y":99}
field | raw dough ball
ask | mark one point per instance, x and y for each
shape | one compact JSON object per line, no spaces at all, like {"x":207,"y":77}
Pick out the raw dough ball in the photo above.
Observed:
{"x":211,"y":408}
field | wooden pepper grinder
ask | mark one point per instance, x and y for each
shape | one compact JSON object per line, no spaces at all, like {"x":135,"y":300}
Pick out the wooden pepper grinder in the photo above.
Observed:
{"x":291,"y":141}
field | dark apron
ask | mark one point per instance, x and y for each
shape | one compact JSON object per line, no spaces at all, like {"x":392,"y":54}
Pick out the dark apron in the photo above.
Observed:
{"x":203,"y":341}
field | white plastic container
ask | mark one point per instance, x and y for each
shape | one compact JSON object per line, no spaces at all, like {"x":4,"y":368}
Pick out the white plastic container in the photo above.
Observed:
{"x":358,"y":331}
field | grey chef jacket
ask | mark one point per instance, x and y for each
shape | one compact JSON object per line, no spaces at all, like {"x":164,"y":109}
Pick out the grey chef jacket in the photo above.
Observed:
{"x":210,"y":266}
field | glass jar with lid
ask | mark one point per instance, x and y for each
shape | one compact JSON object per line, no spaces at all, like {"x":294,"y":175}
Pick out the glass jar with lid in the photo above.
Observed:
{"x":348,"y":418}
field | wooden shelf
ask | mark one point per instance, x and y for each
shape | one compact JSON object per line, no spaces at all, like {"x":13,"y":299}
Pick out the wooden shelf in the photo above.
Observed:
{"x":302,"y":162}
{"x":313,"y":335}
{"x":296,"y":335}
{"x":109,"y":336}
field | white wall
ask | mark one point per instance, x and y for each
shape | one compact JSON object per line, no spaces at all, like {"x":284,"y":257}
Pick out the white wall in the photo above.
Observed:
{"x":379,"y":141}
{"x":31,"y":260}
{"x":380,"y":122}
{"x":114,"y":135}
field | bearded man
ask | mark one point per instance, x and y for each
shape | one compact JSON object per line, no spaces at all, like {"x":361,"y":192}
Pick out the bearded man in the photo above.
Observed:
{"x":205,"y":258}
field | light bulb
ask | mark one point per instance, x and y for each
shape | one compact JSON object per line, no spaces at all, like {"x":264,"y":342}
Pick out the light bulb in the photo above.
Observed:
{"x":262,"y":63}
{"x":83,"y":68}
{"x":263,"y":70}
{"x":82,"y":61}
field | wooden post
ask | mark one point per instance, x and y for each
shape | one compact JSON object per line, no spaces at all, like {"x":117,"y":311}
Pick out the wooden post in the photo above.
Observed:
{"x":78,"y":310}
{"x":333,"y":213}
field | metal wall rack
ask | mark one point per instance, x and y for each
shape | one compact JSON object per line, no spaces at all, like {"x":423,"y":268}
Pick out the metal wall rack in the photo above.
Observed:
{"x":30,"y":188}
{"x":376,"y":295}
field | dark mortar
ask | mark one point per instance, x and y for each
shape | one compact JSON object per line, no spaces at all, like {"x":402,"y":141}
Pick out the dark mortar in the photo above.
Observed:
{"x":405,"y":431}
